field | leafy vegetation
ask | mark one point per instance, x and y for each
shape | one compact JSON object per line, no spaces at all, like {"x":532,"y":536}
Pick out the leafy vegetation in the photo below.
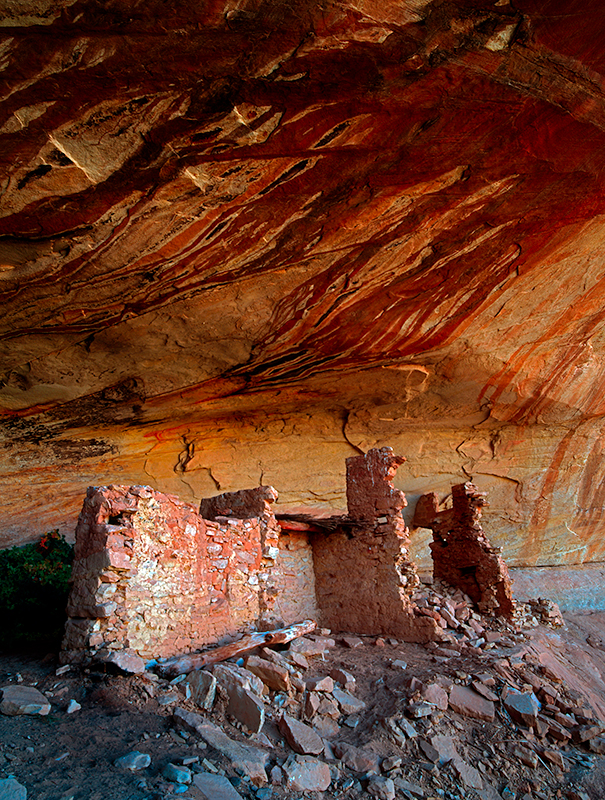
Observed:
{"x":34,"y":584}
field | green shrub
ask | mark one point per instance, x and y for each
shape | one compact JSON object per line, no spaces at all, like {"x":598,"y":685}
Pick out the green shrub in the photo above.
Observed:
{"x":34,"y":584}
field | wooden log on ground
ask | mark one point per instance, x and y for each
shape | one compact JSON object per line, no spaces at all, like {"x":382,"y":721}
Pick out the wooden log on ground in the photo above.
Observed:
{"x":179,"y":665}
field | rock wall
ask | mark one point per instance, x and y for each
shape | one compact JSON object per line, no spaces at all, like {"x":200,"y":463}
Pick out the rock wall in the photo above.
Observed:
{"x":295,"y":594}
{"x":240,"y":242}
{"x":154,"y":578}
{"x":462,"y":554}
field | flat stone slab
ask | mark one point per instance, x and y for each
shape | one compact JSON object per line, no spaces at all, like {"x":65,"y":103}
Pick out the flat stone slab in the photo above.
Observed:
{"x":246,"y":707}
{"x":435,"y":694}
{"x":522,"y":706}
{"x":526,"y":756}
{"x":175,"y":773}
{"x":326,"y":727}
{"x":306,"y":774}
{"x":245,"y":758}
{"x":23,"y":700}
{"x":324,"y":684}
{"x":328,"y":707}
{"x":343,"y":677}
{"x":407,"y":728}
{"x":133,"y":761}
{"x":308,"y":648}
{"x":271,"y":674}
{"x":311,"y":704}
{"x":347,"y":702}
{"x":421,"y":709}
{"x":229,"y":675}
{"x":484,"y":691}
{"x":300,"y":737}
{"x":216,"y":787}
{"x":244,"y":689}
{"x":357,"y":758}
{"x":126,"y":660}
{"x":352,"y":641}
{"x":467,"y":774}
{"x":409,"y":787}
{"x":11,"y":789}
{"x":381,"y":787}
{"x":202,"y":687}
{"x":445,"y":747}
{"x":470,"y":704}
{"x":428,"y":750}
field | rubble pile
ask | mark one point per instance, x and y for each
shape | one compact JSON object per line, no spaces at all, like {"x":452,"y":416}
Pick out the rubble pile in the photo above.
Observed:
{"x":481,"y":714}
{"x":545,"y":611}
{"x":454,"y":612}
{"x":485,"y":721}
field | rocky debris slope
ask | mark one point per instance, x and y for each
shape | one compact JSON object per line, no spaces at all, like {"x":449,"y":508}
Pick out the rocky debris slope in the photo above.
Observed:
{"x":495,"y":711}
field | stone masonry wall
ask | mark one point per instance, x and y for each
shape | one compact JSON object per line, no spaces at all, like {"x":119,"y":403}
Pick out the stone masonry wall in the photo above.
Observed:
{"x":295,"y":578}
{"x":462,"y":554}
{"x":153,"y":577}
{"x":363,"y":574}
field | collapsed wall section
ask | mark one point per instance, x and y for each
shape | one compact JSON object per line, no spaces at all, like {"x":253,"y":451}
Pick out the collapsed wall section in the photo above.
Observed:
{"x":462,"y":554}
{"x":152,"y":576}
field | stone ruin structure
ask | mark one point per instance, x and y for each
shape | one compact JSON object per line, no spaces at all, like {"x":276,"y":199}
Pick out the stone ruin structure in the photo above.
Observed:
{"x":462,"y":554}
{"x":153,"y":577}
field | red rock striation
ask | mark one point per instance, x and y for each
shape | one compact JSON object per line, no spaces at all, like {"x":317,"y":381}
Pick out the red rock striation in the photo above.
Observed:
{"x":252,"y":239}
{"x":462,"y":554}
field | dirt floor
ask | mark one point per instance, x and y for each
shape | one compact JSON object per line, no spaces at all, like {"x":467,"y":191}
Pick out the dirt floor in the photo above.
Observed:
{"x":63,"y":755}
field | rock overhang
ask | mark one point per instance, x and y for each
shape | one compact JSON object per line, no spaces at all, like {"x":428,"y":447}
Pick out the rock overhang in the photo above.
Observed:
{"x":284,"y":231}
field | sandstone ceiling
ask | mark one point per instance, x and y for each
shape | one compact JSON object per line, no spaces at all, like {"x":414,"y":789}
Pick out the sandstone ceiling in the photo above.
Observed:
{"x":242,"y":240}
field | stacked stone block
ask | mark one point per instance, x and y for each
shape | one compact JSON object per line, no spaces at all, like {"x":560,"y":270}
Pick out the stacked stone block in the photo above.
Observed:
{"x":154,"y":578}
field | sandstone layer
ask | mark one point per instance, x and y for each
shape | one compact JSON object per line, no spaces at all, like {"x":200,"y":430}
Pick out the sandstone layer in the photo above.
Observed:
{"x":241,"y":241}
